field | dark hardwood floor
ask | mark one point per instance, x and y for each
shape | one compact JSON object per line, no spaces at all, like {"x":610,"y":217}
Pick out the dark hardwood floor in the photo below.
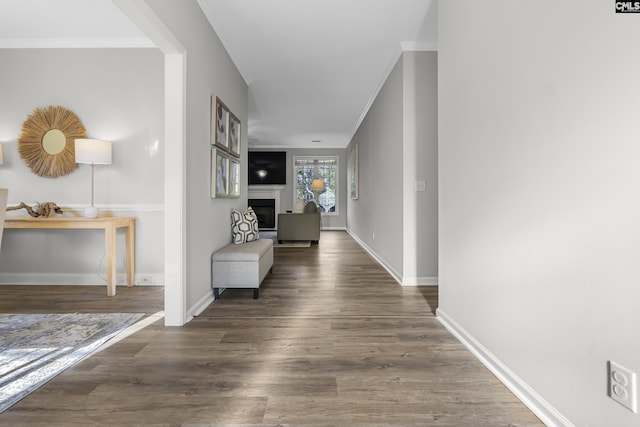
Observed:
{"x":333,"y":340}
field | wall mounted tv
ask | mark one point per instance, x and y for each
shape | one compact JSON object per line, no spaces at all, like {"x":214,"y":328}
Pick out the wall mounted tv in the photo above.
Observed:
{"x":267,"y":167}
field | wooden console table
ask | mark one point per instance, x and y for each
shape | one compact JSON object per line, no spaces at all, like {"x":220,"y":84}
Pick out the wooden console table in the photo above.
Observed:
{"x":109,"y":224}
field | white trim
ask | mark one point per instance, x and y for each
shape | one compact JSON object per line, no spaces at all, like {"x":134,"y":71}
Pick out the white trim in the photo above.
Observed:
{"x":380,"y":261}
{"x":403,"y":281}
{"x":420,"y":281}
{"x":78,"y":43}
{"x":136,"y":327}
{"x":79,"y":208}
{"x":84,"y":279}
{"x":267,"y":192}
{"x":536,"y":403}
{"x":175,"y":137}
{"x":374,"y":95}
{"x":200,"y":305}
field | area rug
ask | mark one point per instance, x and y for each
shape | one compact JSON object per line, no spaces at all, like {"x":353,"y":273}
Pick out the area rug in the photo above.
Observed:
{"x":34,"y":348}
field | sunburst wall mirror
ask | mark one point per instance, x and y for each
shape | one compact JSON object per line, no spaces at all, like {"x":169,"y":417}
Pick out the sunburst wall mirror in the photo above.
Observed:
{"x":46,"y":142}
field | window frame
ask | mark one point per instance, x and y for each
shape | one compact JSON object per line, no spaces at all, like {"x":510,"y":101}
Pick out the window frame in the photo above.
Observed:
{"x":336,"y":158}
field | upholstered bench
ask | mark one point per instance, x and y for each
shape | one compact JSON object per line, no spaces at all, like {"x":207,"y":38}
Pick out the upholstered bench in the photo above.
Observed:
{"x":243,"y":265}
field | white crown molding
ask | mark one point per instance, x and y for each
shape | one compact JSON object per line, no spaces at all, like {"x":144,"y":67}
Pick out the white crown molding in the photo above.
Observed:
{"x":425,"y":46}
{"x":83,"y":43}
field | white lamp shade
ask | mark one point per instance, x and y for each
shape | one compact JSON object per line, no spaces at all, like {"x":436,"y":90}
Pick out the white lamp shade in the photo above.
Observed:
{"x":93,"y":151}
{"x":1,"y":154}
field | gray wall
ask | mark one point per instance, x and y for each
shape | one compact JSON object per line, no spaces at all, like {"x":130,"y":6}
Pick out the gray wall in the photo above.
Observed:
{"x":378,"y":208}
{"x":210,"y":71}
{"x":539,"y":201}
{"x":118,"y":95}
{"x":397,"y":143}
{"x":421,"y":134}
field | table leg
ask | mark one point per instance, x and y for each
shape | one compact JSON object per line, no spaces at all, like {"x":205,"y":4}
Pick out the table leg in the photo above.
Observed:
{"x":110,"y":253}
{"x":130,"y":249}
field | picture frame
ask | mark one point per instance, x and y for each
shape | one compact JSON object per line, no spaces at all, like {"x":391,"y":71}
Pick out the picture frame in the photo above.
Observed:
{"x":234,"y":135}
{"x":353,"y":169}
{"x":219,"y":174}
{"x":234,"y":178}
{"x":219,"y":123}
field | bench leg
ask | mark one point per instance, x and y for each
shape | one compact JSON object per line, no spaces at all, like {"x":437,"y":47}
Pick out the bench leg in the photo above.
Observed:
{"x":255,"y":293}
{"x":216,"y":293}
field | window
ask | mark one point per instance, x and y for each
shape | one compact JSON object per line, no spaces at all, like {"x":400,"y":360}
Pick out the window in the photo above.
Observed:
{"x":324,"y":191}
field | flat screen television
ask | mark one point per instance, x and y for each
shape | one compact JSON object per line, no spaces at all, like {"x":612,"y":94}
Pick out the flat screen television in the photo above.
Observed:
{"x":267,"y":167}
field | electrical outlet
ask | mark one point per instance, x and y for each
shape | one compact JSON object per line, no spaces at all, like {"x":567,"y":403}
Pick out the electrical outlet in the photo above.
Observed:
{"x":145,"y":280}
{"x":622,"y":386}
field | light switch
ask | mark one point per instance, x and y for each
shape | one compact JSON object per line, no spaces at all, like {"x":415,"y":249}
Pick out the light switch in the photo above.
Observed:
{"x":421,"y":186}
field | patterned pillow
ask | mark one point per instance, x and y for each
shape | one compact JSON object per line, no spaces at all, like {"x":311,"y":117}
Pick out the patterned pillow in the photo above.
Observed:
{"x":244,"y":226}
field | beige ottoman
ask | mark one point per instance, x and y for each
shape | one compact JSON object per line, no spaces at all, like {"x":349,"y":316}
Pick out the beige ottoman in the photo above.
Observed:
{"x":243,"y":265}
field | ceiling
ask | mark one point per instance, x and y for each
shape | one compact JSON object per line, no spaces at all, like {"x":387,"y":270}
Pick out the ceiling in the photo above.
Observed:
{"x":312,"y":66}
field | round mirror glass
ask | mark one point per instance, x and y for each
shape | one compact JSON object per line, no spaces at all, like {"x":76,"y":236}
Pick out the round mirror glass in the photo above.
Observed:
{"x":54,"y":141}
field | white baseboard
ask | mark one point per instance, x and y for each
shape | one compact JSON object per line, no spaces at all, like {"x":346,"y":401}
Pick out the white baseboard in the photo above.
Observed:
{"x":200,"y":306}
{"x":420,"y":281}
{"x":538,"y":405}
{"x":397,"y":277}
{"x":77,"y":279}
{"x":403,"y":281}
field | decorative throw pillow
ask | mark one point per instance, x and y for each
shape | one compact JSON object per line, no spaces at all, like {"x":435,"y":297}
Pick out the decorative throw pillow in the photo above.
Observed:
{"x":298,"y":207}
{"x":310,"y":207}
{"x":244,"y":226}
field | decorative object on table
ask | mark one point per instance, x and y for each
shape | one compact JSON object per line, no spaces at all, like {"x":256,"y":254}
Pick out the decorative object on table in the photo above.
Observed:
{"x":244,"y":226}
{"x":92,"y":152}
{"x":353,"y":172}
{"x":44,"y":210}
{"x":317,"y":185}
{"x":234,"y":135}
{"x":219,"y":174}
{"x":46,"y":142}
{"x":37,"y":347}
{"x":219,"y":123}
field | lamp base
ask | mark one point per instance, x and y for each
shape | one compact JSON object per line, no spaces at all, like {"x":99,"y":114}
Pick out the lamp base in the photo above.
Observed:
{"x":91,"y":212}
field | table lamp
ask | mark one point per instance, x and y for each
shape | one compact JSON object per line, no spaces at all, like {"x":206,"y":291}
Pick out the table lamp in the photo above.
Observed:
{"x":92,"y":152}
{"x":317,"y":185}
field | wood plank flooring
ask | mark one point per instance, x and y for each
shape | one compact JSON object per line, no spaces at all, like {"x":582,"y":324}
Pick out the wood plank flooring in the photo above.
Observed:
{"x":333,"y":340}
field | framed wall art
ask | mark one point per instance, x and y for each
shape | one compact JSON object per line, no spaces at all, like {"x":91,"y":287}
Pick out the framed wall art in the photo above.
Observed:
{"x":234,"y":178}
{"x":219,"y":123}
{"x":234,"y":135}
{"x":353,"y":172}
{"x":219,"y":174}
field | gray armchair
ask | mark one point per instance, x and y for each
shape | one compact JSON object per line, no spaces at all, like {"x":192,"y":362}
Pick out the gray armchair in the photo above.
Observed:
{"x":300,"y":226}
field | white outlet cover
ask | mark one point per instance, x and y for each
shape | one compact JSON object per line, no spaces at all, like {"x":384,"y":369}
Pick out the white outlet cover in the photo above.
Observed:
{"x":622,"y":386}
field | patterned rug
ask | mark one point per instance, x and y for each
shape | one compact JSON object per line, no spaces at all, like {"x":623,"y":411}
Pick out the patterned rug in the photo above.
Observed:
{"x":36,"y":347}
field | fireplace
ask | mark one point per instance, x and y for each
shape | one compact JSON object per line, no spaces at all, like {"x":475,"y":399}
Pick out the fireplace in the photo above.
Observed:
{"x":265,"y":210}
